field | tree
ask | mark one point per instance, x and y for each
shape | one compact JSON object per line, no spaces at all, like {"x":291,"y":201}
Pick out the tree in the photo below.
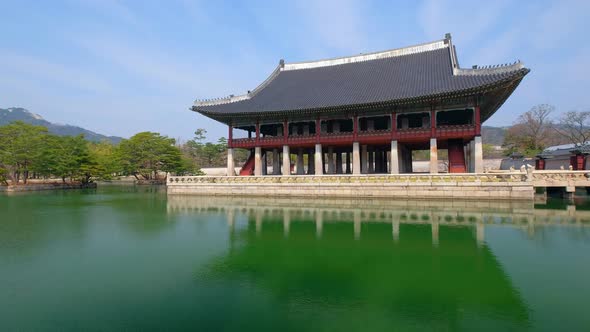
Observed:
{"x":531,"y":132}
{"x":20,"y":147}
{"x":65,"y":157}
{"x":104,"y":162}
{"x":146,"y":154}
{"x":575,"y":127}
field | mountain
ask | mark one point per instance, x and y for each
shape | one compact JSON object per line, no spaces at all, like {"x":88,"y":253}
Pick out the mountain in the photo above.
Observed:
{"x":9,"y":115}
{"x":493,"y":135}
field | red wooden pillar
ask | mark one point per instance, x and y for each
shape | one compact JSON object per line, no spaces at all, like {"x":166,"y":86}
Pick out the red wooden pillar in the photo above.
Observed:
{"x":318,"y":130}
{"x":285,"y":131}
{"x":393,"y":125}
{"x":432,"y":123}
{"x":580,"y":161}
{"x":540,"y":164}
{"x":257,"y":132}
{"x":230,"y":136}
{"x":477,"y":119}
{"x":355,"y":128}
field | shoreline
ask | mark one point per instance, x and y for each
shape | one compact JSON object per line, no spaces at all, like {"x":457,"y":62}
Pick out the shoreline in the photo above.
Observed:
{"x":46,"y":186}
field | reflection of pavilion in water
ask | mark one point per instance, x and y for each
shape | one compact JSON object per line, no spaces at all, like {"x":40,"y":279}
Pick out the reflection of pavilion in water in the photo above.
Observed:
{"x":396,"y":264}
{"x":475,"y":215}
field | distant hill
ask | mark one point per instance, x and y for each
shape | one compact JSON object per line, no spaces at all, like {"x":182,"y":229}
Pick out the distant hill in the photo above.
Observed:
{"x":9,"y":115}
{"x":493,"y":135}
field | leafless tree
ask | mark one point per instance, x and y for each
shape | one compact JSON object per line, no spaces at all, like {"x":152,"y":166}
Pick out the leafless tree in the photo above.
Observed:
{"x":531,"y":132}
{"x":575,"y":127}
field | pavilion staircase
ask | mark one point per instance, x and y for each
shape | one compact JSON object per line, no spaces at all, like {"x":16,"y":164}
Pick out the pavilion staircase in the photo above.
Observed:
{"x":248,"y":168}
{"x":456,"y":157}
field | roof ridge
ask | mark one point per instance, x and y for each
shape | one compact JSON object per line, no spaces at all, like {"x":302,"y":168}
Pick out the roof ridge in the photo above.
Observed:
{"x":413,"y":49}
{"x":489,"y":69}
{"x":395,"y":52}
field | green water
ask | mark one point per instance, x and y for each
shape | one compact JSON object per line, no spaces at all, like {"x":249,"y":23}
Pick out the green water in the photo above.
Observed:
{"x":126,"y":258}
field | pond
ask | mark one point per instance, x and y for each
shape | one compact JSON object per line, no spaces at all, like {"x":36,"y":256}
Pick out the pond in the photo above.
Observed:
{"x":132,"y":258}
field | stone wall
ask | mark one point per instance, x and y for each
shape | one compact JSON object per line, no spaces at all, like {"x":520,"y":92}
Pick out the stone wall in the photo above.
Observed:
{"x":466,"y":187}
{"x":46,"y":186}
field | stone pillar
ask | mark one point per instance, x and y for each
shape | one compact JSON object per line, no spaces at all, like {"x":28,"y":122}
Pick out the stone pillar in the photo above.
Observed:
{"x":339,"y":163}
{"x":331,"y":160}
{"x":300,"y":170}
{"x":306,"y":129}
{"x":310,"y":163}
{"x":478,"y":155}
{"x":370,"y":125}
{"x":257,"y":161}
{"x":363,"y":159}
{"x":347,"y":170}
{"x":472,"y":156}
{"x":319,"y":167}
{"x":433,"y":156}
{"x":356,"y":159}
{"x":286,"y":160}
{"x":394,"y":161}
{"x":231,"y":169}
{"x":276,"y":163}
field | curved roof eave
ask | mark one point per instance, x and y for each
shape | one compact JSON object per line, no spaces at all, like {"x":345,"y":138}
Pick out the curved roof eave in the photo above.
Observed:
{"x":516,"y":78}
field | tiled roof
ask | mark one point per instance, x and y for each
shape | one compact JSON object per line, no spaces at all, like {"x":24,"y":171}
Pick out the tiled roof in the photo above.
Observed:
{"x":416,"y":72}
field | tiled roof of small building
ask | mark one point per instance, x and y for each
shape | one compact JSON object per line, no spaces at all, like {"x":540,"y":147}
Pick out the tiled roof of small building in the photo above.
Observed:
{"x":402,"y":75}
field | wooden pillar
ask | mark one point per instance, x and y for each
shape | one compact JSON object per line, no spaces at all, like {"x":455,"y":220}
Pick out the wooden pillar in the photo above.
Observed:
{"x":347,"y":170}
{"x":363,"y":159}
{"x":477,"y":120}
{"x":276,"y":162}
{"x":230,"y":136}
{"x":331,"y":169}
{"x":371,"y":167}
{"x":257,"y":132}
{"x":432,"y":123}
{"x":318,"y":130}
{"x":300,"y":170}
{"x":339,"y":163}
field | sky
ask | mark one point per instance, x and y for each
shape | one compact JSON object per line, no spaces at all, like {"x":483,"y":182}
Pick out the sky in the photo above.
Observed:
{"x":121,"y":67}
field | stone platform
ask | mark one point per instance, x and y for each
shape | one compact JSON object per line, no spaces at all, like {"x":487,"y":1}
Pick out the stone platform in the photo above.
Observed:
{"x":501,"y":186}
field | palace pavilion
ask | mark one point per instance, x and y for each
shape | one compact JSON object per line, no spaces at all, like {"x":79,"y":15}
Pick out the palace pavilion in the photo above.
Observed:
{"x":366,"y":113}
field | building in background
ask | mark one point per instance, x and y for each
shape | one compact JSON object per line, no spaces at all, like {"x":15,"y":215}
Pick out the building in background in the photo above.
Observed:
{"x":366,"y":113}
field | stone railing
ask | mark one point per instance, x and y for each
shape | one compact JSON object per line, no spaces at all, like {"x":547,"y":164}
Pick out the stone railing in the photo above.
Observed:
{"x":342,"y":178}
{"x":560,"y":175}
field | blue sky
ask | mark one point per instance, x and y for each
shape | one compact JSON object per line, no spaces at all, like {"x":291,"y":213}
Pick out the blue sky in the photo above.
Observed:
{"x":121,"y":67}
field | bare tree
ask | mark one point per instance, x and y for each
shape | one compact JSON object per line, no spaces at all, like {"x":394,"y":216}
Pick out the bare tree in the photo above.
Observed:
{"x":575,"y":127}
{"x":531,"y":132}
